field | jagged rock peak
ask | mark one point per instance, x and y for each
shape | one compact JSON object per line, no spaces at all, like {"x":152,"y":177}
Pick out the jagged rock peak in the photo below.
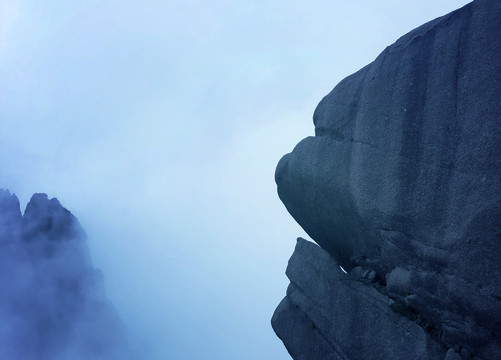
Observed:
{"x":11,"y":217}
{"x":53,"y":304}
{"x":47,"y":218}
{"x":9,"y":203}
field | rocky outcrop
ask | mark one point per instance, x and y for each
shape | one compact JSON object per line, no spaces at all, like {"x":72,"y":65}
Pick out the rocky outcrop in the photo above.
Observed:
{"x":402,"y":181}
{"x":52,"y":304}
{"x":328,"y":314}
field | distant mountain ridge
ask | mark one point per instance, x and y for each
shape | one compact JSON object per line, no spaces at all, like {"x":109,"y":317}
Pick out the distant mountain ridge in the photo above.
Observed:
{"x":52,"y":304}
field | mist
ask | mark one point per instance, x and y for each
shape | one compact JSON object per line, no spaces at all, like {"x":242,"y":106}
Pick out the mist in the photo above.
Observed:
{"x":159,"y":124}
{"x":53,"y":305}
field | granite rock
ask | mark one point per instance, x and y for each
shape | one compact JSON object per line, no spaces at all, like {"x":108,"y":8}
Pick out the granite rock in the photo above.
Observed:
{"x":328,"y":314}
{"x":402,"y":178}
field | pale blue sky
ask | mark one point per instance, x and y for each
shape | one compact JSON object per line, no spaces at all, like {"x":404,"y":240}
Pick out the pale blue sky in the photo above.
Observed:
{"x":159,"y":125}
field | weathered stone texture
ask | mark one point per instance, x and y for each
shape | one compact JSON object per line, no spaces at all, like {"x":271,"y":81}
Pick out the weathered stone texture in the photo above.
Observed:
{"x":403,"y":177}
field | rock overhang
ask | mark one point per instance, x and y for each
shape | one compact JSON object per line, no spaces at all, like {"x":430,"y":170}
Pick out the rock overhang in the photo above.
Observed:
{"x":404,"y":172}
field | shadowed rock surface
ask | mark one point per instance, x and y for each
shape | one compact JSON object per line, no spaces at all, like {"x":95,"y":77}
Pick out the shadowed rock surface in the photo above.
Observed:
{"x":402,"y":181}
{"x":313,"y":317}
{"x":53,"y":305}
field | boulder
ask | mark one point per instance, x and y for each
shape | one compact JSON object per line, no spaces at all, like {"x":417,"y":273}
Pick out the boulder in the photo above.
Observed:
{"x":328,"y":314}
{"x":402,"y":177}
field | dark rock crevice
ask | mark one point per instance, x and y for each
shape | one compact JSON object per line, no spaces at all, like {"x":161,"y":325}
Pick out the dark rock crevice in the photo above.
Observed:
{"x":398,"y":304}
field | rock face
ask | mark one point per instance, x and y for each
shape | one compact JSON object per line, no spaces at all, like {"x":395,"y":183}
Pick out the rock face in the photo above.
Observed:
{"x":402,"y":181}
{"x":314,"y":318}
{"x":52,"y":304}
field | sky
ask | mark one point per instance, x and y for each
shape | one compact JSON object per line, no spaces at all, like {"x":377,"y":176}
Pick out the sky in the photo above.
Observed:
{"x":159,"y":124}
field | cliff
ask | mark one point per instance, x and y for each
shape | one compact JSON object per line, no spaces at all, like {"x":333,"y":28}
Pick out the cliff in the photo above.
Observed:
{"x":53,"y":304}
{"x":400,"y":186}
